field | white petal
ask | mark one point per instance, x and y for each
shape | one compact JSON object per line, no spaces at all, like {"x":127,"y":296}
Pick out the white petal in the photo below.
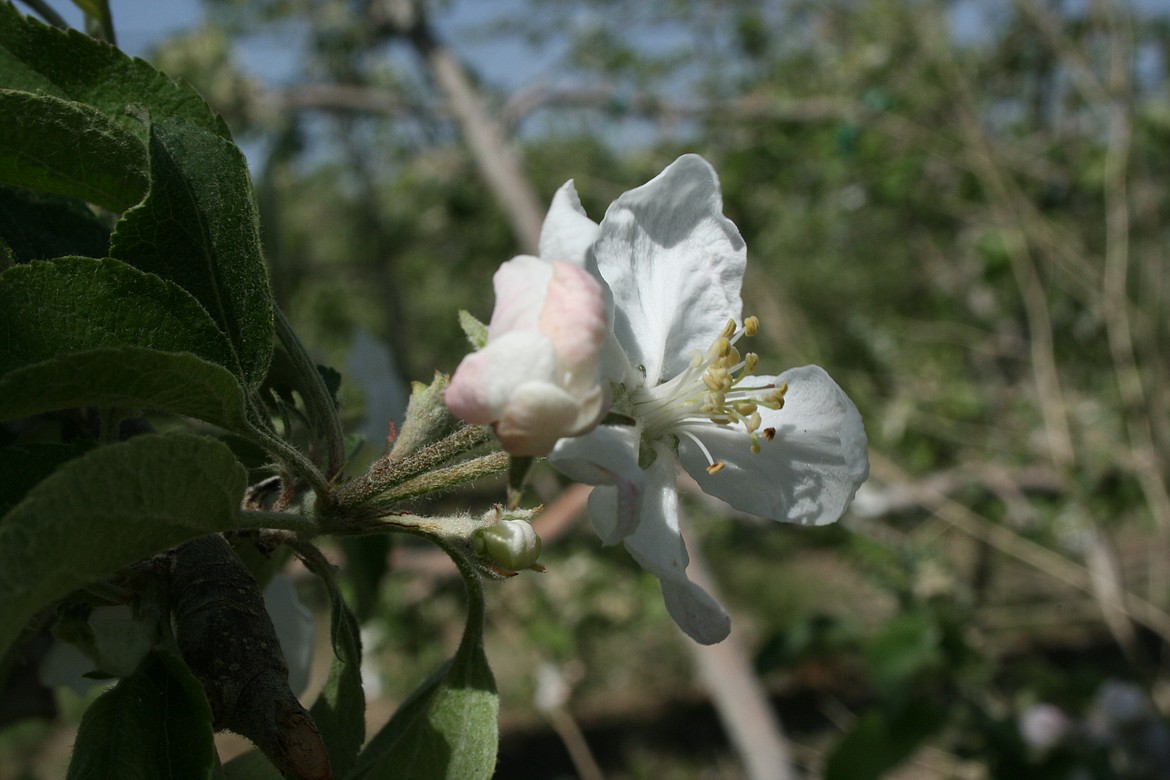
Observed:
{"x":567,"y":231}
{"x":674,"y":265}
{"x":657,"y":545}
{"x":607,"y":456}
{"x":811,"y":469}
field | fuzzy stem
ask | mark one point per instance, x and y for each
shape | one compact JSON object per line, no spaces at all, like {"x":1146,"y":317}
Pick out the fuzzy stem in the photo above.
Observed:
{"x":299,"y":524}
{"x":386,"y":474}
{"x":443,"y":479}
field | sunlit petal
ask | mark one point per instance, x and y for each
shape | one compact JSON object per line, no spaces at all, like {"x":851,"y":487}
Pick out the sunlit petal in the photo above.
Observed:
{"x":567,"y":232}
{"x":810,"y":469}
{"x":674,"y":265}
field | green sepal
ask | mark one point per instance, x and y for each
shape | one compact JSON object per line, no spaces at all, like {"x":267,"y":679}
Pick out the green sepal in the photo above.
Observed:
{"x":476,"y":331}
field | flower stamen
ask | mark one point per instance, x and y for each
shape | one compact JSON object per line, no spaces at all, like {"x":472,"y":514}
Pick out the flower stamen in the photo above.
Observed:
{"x":712,"y":390}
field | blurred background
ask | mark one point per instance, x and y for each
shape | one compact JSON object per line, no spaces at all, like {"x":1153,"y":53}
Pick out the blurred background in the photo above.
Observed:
{"x":958,"y":208}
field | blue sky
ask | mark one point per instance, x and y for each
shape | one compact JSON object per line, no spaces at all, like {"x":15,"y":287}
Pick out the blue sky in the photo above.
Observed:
{"x":140,"y":24}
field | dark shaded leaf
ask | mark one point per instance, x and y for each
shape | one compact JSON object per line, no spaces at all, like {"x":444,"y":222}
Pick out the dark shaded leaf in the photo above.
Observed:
{"x":48,"y":309}
{"x":153,"y":724}
{"x":127,"y":378}
{"x":69,"y":148}
{"x":198,"y":228}
{"x":69,"y":65}
{"x":138,"y":497}
{"x":38,"y":226}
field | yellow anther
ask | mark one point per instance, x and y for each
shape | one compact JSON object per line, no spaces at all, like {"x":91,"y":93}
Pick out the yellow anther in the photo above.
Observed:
{"x":751,"y":326}
{"x":733,"y":357}
{"x":728,"y":329}
{"x":750,"y":361}
{"x":716,"y":467}
{"x":712,"y":382}
{"x":753,"y":422}
{"x":744,"y":407}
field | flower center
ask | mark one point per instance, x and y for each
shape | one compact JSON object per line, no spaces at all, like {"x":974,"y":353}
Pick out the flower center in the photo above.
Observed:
{"x":711,"y":390}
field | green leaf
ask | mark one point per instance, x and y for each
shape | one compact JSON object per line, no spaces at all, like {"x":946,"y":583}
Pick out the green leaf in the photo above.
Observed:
{"x":75,"y":304}
{"x":447,"y":728}
{"x":340,"y":710}
{"x":882,"y":740}
{"x":69,"y":148}
{"x":107,"y":509}
{"x":38,"y":226}
{"x":24,"y":466}
{"x":127,"y":378}
{"x":198,"y":227}
{"x":69,"y":65}
{"x":155,"y":723}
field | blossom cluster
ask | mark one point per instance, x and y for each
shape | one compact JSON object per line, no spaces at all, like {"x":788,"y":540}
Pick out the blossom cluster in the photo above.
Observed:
{"x":617,"y":352}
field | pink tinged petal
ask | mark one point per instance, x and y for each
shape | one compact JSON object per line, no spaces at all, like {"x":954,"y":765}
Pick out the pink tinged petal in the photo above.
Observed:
{"x":536,"y":415}
{"x":574,"y":319}
{"x":520,"y":285}
{"x":466,"y":396}
{"x":674,"y":265}
{"x":608,"y":457}
{"x":485,"y":380}
{"x":810,"y":470}
{"x":567,"y":232}
{"x":657,"y":545}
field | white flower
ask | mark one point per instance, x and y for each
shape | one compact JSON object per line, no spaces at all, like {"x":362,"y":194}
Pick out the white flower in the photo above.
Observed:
{"x":536,"y":380}
{"x":790,"y":447}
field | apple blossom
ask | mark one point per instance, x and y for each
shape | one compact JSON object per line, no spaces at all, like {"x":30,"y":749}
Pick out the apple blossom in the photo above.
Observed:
{"x":790,"y":447}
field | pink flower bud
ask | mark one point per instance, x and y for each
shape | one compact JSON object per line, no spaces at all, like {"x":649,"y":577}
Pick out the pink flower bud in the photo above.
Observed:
{"x":536,"y":380}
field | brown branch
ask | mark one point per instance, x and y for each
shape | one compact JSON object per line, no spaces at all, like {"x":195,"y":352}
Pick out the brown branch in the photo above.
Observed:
{"x":490,"y":149}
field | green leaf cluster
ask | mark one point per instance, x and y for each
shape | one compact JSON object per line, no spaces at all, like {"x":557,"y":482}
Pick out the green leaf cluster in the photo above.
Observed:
{"x":169,"y":312}
{"x":132,"y":283}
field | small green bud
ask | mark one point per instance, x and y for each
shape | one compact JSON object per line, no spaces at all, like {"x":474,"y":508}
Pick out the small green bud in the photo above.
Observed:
{"x":509,"y":543}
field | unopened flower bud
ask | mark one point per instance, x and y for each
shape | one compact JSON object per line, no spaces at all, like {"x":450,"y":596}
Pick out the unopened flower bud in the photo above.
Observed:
{"x":536,"y":380}
{"x":512,"y":544}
